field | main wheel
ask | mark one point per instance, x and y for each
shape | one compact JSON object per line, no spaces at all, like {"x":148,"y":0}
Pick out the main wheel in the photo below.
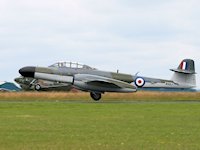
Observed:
{"x":37,"y":87}
{"x":95,"y":96}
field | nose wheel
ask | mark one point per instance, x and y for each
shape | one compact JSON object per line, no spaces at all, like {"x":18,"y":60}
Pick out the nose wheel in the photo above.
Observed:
{"x":95,"y":96}
{"x":37,"y":87}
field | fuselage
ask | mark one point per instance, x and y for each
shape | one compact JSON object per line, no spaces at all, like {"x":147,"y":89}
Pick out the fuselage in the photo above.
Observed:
{"x":149,"y":82}
{"x":69,"y":73}
{"x":96,"y":82}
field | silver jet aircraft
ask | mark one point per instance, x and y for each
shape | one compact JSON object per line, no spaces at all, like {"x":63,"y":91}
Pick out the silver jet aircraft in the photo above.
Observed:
{"x":98,"y":82}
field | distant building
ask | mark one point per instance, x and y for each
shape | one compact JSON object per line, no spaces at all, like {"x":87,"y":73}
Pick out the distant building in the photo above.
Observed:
{"x":8,"y":86}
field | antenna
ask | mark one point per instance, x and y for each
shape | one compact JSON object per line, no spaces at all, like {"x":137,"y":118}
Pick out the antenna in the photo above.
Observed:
{"x":137,"y":73}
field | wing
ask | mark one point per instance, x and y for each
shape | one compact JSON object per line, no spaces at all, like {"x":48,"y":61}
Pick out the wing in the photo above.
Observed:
{"x":104,"y":83}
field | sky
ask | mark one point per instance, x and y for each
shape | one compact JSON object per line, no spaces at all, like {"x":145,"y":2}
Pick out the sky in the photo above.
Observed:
{"x":149,"y":37}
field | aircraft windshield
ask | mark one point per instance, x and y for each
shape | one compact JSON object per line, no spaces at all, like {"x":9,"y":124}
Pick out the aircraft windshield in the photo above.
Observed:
{"x":71,"y":65}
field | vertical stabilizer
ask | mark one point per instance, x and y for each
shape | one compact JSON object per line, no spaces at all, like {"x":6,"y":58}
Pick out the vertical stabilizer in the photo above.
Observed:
{"x":185,"y":73}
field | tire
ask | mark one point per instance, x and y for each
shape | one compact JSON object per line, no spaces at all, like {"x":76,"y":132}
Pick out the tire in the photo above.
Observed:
{"x":37,"y":87}
{"x":95,"y":96}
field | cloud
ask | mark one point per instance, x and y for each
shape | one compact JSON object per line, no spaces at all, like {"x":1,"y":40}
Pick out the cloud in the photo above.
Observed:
{"x":129,"y":35}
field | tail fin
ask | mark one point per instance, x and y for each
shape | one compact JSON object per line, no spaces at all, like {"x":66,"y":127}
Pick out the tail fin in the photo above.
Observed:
{"x":185,"y":73}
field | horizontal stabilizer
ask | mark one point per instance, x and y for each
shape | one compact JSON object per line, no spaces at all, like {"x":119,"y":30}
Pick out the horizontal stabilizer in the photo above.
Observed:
{"x":185,"y":73}
{"x":187,"y":66}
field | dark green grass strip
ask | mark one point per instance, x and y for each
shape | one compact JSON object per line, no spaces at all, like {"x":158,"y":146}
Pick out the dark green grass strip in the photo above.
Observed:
{"x":61,"y":125}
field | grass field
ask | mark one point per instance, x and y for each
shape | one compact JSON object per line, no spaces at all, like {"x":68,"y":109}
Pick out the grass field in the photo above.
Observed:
{"x":142,"y":120}
{"x":34,"y":96}
{"x":85,"y":125}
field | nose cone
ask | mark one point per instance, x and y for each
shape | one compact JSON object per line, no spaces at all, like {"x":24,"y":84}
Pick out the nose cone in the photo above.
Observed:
{"x":27,"y":71}
{"x":17,"y":80}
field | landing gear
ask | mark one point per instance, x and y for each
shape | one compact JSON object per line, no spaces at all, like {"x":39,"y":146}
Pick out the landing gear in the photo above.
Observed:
{"x":95,"y":96}
{"x":37,"y":87}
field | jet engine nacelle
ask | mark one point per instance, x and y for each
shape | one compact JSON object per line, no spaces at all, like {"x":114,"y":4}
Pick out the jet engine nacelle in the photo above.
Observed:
{"x":101,"y":84}
{"x":54,"y":77}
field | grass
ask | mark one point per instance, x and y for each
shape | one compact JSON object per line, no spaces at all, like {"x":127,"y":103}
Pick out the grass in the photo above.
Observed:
{"x":108,"y":96}
{"x":96,"y":126}
{"x":59,"y":120}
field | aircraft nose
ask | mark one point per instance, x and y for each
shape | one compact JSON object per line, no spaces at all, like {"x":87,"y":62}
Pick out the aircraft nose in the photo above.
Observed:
{"x":17,"y":80}
{"x":27,"y":71}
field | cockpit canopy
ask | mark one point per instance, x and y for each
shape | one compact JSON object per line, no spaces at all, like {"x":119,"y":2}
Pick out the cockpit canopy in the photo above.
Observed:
{"x":71,"y":65}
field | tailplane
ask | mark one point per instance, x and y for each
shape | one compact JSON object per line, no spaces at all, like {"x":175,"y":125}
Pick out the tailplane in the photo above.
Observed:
{"x":185,"y":73}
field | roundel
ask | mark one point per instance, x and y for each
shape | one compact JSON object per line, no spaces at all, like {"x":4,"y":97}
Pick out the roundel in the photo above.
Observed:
{"x":139,"y":82}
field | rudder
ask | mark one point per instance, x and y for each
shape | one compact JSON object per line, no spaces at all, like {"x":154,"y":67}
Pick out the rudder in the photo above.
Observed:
{"x":185,"y":73}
